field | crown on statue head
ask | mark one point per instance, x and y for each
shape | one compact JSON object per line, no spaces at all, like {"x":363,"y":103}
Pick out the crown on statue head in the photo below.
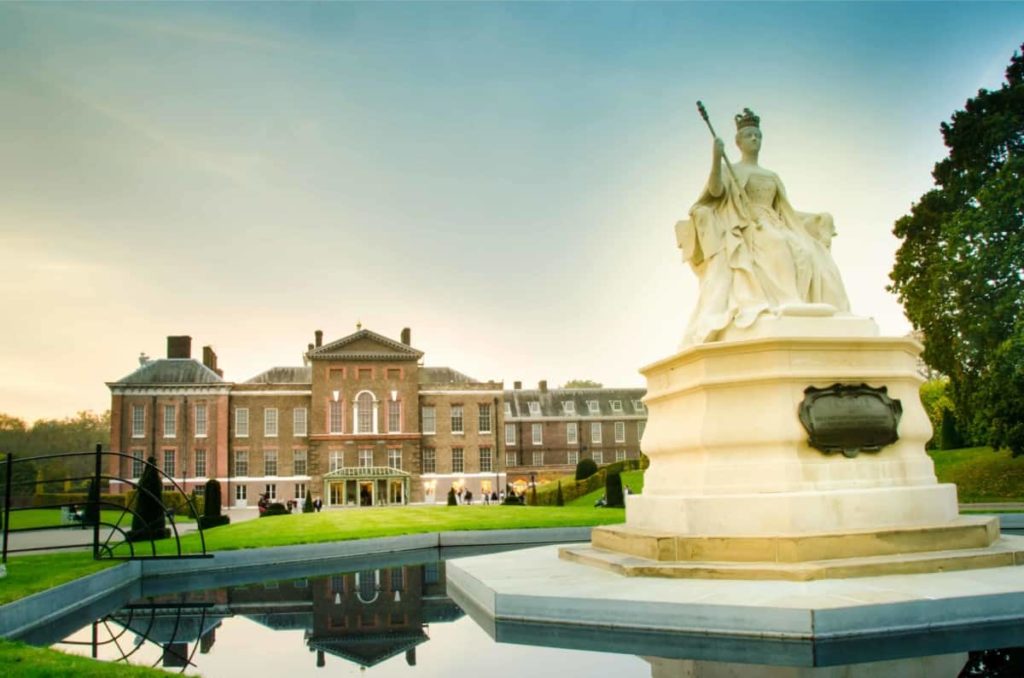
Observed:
{"x":747,"y":119}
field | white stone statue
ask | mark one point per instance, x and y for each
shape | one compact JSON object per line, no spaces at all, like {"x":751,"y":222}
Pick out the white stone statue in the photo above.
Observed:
{"x":752,"y":252}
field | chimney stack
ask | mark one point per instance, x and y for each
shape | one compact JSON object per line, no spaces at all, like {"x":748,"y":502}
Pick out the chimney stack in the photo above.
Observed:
{"x":517,"y":385}
{"x":407,"y":336}
{"x":210,"y":360}
{"x":543,"y":385}
{"x":319,"y":334}
{"x":179,"y":347}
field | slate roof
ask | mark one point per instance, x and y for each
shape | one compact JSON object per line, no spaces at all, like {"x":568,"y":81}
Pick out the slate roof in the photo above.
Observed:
{"x":365,"y":345}
{"x":552,"y":399}
{"x":172,"y":371}
{"x":369,"y":649}
{"x":443,"y":375}
{"x":284,"y":375}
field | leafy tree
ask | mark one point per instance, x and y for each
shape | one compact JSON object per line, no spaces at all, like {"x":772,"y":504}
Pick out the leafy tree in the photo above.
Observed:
{"x":23,"y":480}
{"x":959,"y":271}
{"x":581,"y":383}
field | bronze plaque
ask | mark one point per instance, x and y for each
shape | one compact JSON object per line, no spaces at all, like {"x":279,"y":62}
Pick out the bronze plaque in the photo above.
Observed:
{"x":850,"y":419}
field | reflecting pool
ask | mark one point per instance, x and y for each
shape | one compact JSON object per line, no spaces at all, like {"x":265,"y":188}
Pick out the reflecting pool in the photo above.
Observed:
{"x":391,"y":615}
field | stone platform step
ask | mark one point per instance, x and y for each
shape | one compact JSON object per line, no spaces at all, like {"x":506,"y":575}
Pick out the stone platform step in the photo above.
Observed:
{"x":966,"y":532}
{"x":1002,"y":553}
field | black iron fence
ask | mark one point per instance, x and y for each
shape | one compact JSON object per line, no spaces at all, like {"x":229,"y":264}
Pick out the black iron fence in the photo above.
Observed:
{"x":111,"y":539}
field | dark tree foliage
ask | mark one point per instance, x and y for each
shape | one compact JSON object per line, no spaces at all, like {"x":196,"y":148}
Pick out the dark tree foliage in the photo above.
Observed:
{"x":959,"y":271}
{"x":581,"y":383}
{"x":613,"y":491}
{"x":585,"y":468}
{"x":150,"y":514}
{"x":559,"y":497}
{"x":949,"y":435}
{"x":23,"y":478}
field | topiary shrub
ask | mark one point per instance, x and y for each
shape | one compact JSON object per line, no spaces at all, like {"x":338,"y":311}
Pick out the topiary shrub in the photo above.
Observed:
{"x":91,"y":512}
{"x":307,"y":505}
{"x":149,"y":520}
{"x":559,"y":497}
{"x":613,"y":491}
{"x":275,"y":509}
{"x":211,"y":506}
{"x":451,"y":497}
{"x":585,"y":468}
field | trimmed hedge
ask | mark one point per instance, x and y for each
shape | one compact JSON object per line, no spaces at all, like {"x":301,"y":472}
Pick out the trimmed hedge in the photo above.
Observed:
{"x":275,"y":509}
{"x":585,"y":468}
{"x":547,"y":495}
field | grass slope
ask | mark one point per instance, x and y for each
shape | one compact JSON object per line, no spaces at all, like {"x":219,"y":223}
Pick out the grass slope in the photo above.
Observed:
{"x":981,"y":474}
{"x":633,"y":479}
{"x":25,"y":661}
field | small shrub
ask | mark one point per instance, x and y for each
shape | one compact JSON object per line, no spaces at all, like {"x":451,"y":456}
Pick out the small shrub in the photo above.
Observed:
{"x":559,"y":498}
{"x":613,"y":491}
{"x":585,"y":468}
{"x":211,"y":497}
{"x":307,"y":505}
{"x":275,"y":509}
{"x":206,"y":522}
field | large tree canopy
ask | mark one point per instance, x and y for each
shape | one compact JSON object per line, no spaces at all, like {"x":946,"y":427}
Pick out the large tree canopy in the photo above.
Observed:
{"x":959,"y":271}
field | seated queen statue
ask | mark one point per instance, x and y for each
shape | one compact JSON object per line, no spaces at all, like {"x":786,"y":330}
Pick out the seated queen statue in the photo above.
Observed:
{"x":752,"y":252}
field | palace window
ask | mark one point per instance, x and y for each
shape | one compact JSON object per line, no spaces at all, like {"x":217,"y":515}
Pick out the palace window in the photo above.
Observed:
{"x":620,"y":455}
{"x":337,"y":460}
{"x":616,"y":405}
{"x":335,"y":415}
{"x":538,"y":458}
{"x":200,"y":463}
{"x":593,"y":407}
{"x":508,"y":409}
{"x":137,"y":463}
{"x":638,"y":405}
{"x":458,"y":462}
{"x":511,"y":460}
{"x":366,"y":458}
{"x":364,"y":413}
{"x":486,"y":460}
{"x":169,"y":462}
{"x":242,"y":463}
{"x":270,"y":462}
{"x":299,"y":421}
{"x":241,"y":492}
{"x":510,"y":434}
{"x":138,"y":421}
{"x":394,"y":416}
{"x":457,"y":419}
{"x":534,"y":408}
{"x":484,"y":425}
{"x":395,"y":459}
{"x":170,"y":412}
{"x":573,"y":457}
{"x":572,"y":434}
{"x":241,"y":422}
{"x":270,"y":422}
{"x":595,"y":433}
{"x":300,"y":491}
{"x":299,"y":462}
{"x":429,"y":420}
{"x":598,"y":456}
{"x":620,"y":431}
{"x":538,"y":433}
{"x":429,"y":460}
{"x":569,"y":406}
{"x":201,"y":412}
{"x":271,"y":491}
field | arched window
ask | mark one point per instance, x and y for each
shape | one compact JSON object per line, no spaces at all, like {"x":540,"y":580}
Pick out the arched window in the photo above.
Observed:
{"x":367,"y":585}
{"x":364,"y":413}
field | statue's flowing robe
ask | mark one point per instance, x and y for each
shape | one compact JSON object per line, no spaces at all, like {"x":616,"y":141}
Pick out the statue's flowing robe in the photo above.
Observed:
{"x":753,"y":258}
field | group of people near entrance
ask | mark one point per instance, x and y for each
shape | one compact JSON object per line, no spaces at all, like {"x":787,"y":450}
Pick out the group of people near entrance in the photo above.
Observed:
{"x":464,"y":496}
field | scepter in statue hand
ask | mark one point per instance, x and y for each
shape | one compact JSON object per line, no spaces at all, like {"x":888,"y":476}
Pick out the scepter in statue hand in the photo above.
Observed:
{"x":728,"y":165}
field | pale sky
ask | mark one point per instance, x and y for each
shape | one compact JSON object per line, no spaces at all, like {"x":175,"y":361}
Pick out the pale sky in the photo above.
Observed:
{"x":502,"y":178}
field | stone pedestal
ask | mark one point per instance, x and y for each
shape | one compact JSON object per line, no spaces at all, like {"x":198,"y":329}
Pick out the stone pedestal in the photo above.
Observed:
{"x":732,"y":477}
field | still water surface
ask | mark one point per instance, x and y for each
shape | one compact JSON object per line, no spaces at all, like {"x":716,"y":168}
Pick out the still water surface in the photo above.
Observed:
{"x":393,"y":617}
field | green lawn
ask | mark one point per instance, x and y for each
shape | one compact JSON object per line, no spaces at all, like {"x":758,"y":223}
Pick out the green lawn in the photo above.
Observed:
{"x":980,"y":474}
{"x":52,"y":517}
{"x":25,"y":661}
{"x":33,"y":573}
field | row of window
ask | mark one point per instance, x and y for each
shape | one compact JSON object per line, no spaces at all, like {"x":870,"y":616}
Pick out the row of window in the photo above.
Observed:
{"x":336,"y":459}
{"x":270,"y":489}
{"x":300,"y":422}
{"x":485,"y":460}
{"x":270,"y":463}
{"x":169,"y":465}
{"x":365,"y":415}
{"x":456,"y":419}
{"x":573,"y":457}
{"x":569,"y":407}
{"x":572,"y":433}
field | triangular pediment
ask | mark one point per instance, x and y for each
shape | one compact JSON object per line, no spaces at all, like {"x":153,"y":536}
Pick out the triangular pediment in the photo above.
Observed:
{"x":365,"y":345}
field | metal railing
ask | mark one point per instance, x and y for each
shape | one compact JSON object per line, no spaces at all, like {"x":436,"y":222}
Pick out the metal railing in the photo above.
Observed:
{"x":118,"y":543}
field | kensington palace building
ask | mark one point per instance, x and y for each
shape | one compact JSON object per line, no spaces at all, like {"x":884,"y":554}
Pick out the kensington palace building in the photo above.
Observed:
{"x":363,"y":422}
